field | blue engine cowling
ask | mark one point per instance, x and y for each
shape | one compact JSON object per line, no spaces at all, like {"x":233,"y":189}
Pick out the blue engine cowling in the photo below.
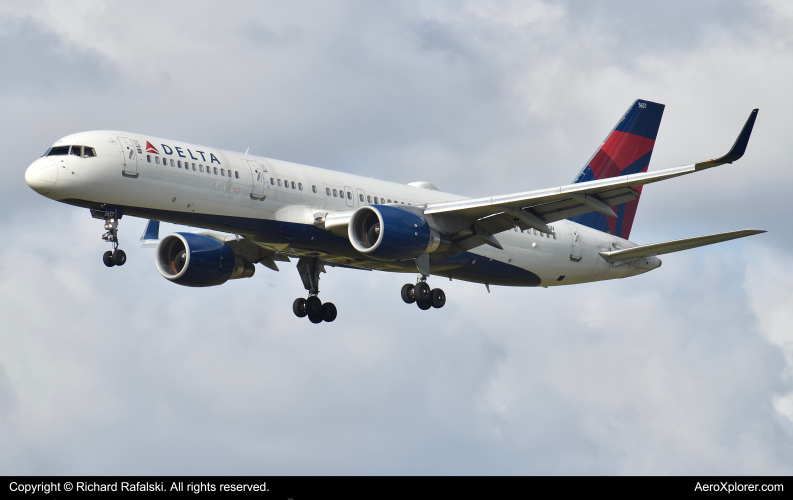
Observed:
{"x":196,"y":260}
{"x":390,"y":233}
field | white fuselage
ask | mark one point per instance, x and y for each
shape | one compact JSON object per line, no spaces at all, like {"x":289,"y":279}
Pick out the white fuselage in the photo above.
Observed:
{"x":274,"y":202}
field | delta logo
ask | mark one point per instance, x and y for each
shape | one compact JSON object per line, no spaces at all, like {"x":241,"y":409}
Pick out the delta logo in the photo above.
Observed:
{"x":168,"y":150}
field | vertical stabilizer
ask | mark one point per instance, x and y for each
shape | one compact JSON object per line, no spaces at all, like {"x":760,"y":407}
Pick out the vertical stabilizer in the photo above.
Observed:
{"x":626,"y":150}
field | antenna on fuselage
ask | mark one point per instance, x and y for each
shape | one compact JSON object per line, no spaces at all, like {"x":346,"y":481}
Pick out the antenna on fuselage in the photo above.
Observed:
{"x":246,"y":151}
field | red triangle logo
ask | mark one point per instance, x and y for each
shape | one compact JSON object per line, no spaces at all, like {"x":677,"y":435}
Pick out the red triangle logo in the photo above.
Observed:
{"x":151,"y":149}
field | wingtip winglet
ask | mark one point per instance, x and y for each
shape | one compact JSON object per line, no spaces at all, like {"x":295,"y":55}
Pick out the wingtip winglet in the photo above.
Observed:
{"x":739,"y":148}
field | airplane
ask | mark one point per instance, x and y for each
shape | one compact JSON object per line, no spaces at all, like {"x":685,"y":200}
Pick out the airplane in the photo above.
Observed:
{"x":256,"y":210}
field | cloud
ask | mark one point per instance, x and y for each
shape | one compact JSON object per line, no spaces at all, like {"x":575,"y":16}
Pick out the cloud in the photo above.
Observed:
{"x":38,"y":62}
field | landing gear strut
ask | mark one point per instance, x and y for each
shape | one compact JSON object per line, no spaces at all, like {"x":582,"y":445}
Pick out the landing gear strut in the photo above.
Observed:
{"x":422,"y":295}
{"x":115,"y":257}
{"x":317,"y":312}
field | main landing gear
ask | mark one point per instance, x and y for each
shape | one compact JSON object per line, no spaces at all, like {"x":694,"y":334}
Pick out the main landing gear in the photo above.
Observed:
{"x":317,"y":312}
{"x":115,"y":257}
{"x":422,"y":295}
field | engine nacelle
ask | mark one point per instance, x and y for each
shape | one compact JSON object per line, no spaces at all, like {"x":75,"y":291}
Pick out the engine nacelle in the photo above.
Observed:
{"x":390,"y":233}
{"x":196,"y":260}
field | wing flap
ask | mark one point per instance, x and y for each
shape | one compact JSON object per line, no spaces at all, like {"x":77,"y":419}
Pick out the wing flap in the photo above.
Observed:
{"x":676,"y":245}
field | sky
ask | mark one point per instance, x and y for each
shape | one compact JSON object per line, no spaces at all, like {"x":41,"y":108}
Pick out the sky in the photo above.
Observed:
{"x":684,"y":370}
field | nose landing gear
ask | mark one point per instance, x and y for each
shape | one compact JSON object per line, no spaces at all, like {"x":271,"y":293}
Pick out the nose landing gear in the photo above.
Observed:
{"x":115,"y":257}
{"x":422,"y":295}
{"x":317,"y":312}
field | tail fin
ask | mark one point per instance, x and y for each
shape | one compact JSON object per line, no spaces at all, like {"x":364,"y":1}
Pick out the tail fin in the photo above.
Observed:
{"x":626,"y":150}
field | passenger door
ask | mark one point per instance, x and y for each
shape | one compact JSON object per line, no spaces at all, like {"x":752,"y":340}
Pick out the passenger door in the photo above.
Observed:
{"x":575,"y":250}
{"x":129,"y":157}
{"x":257,"y":179}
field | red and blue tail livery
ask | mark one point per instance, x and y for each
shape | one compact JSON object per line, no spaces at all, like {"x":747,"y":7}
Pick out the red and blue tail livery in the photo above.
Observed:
{"x":626,"y":150}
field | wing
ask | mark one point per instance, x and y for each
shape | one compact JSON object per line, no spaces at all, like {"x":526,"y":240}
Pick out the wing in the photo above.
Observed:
{"x":676,"y":245}
{"x":535,"y":209}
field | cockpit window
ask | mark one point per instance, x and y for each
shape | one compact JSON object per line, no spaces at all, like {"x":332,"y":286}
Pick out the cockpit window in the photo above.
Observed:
{"x":58,"y":151}
{"x":84,"y":151}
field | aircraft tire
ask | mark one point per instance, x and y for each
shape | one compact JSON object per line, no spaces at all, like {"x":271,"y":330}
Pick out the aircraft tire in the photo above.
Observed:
{"x":437,"y":298}
{"x":107,"y":258}
{"x":299,"y":307}
{"x":329,"y":312}
{"x":421,"y":291}
{"x":424,"y":304}
{"x":314,"y":306}
{"x":315,"y":318}
{"x":407,"y":294}
{"x":119,"y":257}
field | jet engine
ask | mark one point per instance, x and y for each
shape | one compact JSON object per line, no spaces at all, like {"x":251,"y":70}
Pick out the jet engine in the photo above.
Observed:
{"x":196,"y":260}
{"x":390,"y":233}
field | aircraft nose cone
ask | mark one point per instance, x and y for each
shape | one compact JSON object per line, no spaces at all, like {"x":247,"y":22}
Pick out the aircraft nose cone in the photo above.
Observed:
{"x":41,"y":175}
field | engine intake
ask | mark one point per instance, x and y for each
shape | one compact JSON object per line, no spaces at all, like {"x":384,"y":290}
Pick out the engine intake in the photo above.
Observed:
{"x":196,"y":260}
{"x":390,"y":233}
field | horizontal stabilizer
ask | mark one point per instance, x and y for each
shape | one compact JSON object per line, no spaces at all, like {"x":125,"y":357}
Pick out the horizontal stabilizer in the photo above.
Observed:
{"x":151,"y":235}
{"x":676,"y":245}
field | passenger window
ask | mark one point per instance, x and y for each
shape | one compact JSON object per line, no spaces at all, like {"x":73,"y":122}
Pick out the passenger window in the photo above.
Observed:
{"x":293,"y":184}
{"x":59,"y":151}
{"x":179,"y":163}
{"x":236,"y":174}
{"x":200,"y":168}
{"x":77,"y":151}
{"x":223,"y":172}
{"x":148,"y":158}
{"x":193,"y":165}
{"x":369,"y":199}
{"x":272,"y":181}
{"x":327,"y":191}
{"x":360,"y":196}
{"x":300,"y":186}
{"x":279,"y":182}
{"x":349,"y":195}
{"x":335,"y":194}
{"x":215,"y":169}
{"x":554,"y":235}
{"x":389,"y":201}
{"x":375,"y":200}
{"x":157,"y":160}
{"x":314,"y":188}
